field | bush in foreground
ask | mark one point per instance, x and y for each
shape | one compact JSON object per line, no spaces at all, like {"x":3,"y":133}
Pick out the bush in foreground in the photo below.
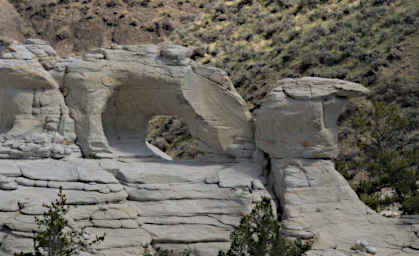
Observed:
{"x":55,"y":237}
{"x":259,"y":233}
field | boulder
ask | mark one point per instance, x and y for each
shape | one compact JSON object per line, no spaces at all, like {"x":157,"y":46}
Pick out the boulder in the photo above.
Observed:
{"x":298,"y":117}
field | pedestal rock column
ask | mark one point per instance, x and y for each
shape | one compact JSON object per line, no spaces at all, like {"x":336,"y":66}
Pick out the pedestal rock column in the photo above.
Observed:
{"x":296,"y":126}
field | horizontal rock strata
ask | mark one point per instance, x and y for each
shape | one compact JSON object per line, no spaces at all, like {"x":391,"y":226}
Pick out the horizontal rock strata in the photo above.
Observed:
{"x":133,"y":202}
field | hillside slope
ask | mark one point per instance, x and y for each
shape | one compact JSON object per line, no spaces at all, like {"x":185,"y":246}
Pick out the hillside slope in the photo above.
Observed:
{"x":11,"y":24}
{"x":73,"y":26}
{"x":258,"y":42}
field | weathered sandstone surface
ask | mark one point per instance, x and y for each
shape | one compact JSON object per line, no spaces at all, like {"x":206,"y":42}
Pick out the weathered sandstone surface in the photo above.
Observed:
{"x":80,"y":123}
{"x":134,"y":202}
{"x":296,"y":127}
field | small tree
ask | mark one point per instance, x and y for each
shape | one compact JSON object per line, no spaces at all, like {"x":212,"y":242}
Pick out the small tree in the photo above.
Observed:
{"x":259,"y":234}
{"x":164,"y":252}
{"x":385,"y":156}
{"x":55,"y":237}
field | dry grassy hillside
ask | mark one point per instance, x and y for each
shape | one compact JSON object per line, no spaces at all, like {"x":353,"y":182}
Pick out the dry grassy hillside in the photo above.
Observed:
{"x":11,"y":24}
{"x":257,"y":42}
{"x":72,"y":26}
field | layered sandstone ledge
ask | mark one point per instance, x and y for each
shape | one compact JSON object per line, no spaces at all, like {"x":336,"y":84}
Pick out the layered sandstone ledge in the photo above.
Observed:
{"x":80,"y":123}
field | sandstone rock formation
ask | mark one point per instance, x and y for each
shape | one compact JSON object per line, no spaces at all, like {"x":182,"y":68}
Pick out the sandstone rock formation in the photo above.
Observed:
{"x":98,"y":106}
{"x":296,"y":126}
{"x":111,"y":95}
{"x":170,"y":204}
{"x":34,"y":120}
{"x":298,"y":117}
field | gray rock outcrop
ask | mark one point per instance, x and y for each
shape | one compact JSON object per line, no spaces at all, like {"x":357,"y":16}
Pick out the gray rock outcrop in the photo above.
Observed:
{"x":136,"y":203}
{"x":98,"y":106}
{"x":296,"y":126}
{"x":111,"y":94}
{"x":34,"y":120}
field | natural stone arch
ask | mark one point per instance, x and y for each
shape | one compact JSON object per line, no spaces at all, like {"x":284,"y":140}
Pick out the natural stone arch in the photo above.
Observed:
{"x":116,"y":92}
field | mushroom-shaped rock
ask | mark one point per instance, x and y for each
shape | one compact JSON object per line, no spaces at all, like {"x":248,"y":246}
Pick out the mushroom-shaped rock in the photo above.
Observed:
{"x":298,"y":117}
{"x":296,"y":126}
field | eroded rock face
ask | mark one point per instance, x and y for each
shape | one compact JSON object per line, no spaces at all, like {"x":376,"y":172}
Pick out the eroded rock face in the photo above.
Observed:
{"x":298,"y":117}
{"x":136,"y":203}
{"x":111,"y":94}
{"x":296,"y":126}
{"x":11,"y":23}
{"x":34,"y":120}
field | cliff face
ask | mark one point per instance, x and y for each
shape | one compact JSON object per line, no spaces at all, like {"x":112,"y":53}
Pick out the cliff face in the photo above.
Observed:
{"x":89,"y":114}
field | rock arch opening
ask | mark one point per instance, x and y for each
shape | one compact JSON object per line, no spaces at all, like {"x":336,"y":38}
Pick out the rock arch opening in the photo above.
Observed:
{"x":172,"y":135}
{"x":125,"y":121}
{"x":113,"y":102}
{"x":136,"y":124}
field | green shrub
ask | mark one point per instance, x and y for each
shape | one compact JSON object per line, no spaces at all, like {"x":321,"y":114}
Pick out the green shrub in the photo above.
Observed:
{"x":165,"y":252}
{"x":259,"y":233}
{"x":386,"y":157}
{"x":411,"y":204}
{"x":55,"y":238}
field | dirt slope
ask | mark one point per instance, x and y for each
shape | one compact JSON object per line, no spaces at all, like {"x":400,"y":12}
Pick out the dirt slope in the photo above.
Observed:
{"x":72,"y":26}
{"x":11,"y":24}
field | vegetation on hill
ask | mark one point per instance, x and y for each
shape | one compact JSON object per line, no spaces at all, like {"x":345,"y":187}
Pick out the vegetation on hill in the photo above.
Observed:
{"x":386,"y":161}
{"x":74,"y":26}
{"x":171,"y":135}
{"x":372,"y":42}
{"x":260,"y":41}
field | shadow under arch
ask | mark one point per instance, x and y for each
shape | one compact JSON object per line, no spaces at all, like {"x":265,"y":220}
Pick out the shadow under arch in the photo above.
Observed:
{"x":126,"y":118}
{"x":112,"y":102}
